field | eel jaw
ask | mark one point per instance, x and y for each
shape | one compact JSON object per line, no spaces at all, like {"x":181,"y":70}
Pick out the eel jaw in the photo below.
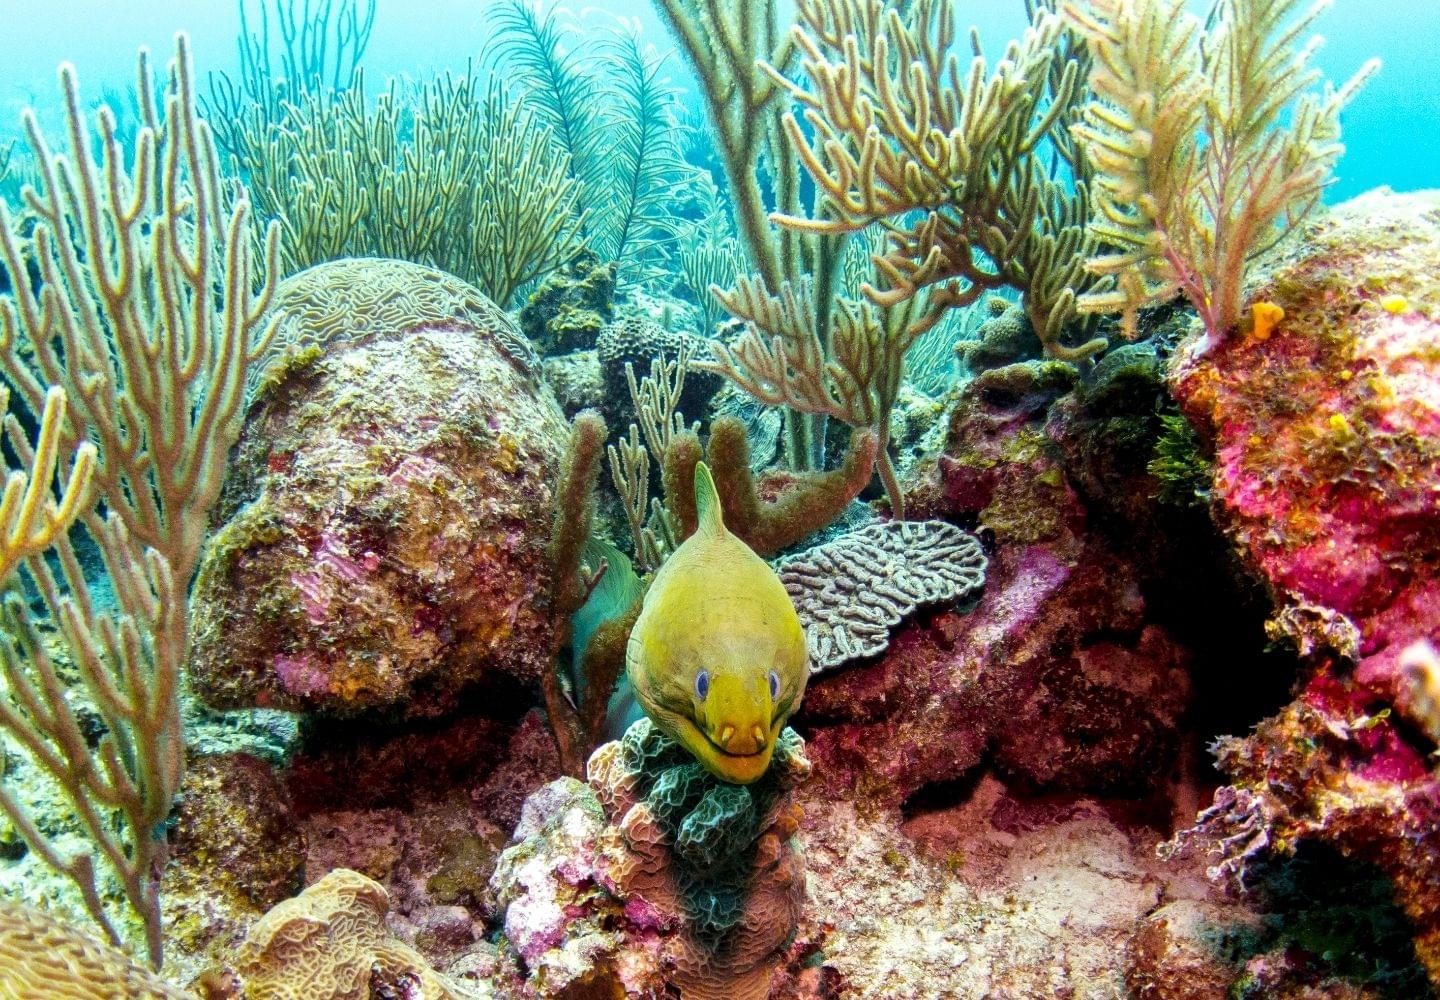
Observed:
{"x":737,"y":769}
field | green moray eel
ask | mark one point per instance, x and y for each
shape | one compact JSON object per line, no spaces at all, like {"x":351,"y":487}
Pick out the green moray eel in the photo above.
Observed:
{"x":717,"y":657}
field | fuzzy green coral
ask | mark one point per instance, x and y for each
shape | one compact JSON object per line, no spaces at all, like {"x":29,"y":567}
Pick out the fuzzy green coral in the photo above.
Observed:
{"x":1178,"y":465}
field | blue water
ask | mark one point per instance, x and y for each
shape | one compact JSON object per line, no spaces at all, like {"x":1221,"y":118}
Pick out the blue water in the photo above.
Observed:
{"x":1392,"y":130}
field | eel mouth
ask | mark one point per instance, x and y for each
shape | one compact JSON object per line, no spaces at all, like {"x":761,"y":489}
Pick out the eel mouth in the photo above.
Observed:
{"x":739,"y":768}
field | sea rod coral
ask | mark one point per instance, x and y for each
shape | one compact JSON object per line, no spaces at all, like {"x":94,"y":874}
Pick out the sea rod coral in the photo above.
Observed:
{"x":148,"y":313}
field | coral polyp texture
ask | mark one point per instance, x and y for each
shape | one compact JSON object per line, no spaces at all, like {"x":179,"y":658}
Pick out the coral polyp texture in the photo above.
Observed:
{"x":384,"y":522}
{"x":331,"y":943}
{"x":657,"y":872}
{"x":1327,"y":481}
{"x":851,"y":591}
{"x":41,"y":956}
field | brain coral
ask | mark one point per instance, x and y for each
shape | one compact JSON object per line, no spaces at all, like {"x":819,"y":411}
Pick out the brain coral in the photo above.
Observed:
{"x":719,"y":861}
{"x":388,"y":506}
{"x":42,"y":957}
{"x":331,"y":943}
{"x":850,"y":592}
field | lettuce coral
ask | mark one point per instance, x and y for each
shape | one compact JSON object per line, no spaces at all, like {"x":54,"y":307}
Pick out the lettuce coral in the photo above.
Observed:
{"x":719,"y":860}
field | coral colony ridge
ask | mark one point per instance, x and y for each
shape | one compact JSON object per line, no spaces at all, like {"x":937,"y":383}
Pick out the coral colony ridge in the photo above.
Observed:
{"x":904,"y":518}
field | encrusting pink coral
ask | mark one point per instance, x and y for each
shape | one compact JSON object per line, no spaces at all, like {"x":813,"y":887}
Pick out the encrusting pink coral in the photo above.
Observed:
{"x":1327,"y":482}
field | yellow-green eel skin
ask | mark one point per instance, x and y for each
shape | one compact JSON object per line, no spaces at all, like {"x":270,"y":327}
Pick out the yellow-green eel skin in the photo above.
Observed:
{"x":717,"y":657}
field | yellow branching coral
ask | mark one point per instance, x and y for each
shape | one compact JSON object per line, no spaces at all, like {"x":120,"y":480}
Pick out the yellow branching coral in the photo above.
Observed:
{"x":944,"y":156}
{"x":30,"y":517}
{"x":1207,"y":145}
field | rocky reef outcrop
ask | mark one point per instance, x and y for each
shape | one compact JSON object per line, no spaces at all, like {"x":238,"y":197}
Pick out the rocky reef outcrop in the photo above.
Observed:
{"x":1057,"y":674}
{"x":1326,"y":438}
{"x":383,"y":529}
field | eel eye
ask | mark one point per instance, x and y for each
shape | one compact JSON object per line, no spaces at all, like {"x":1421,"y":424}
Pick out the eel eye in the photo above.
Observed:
{"x":702,"y":684}
{"x":774,"y":685}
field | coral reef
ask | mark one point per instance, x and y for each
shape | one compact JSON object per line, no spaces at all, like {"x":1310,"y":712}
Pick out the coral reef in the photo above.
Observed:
{"x":716,"y":859}
{"x":1003,"y":339}
{"x":1004,"y":895}
{"x":236,"y":831}
{"x":614,"y":117}
{"x":570,"y":308}
{"x":638,"y":343}
{"x":1323,"y":434}
{"x":380,"y":549}
{"x":1058,"y":676}
{"x":1325,"y":477}
{"x":331,"y":943}
{"x":777,"y":509}
{"x":660,"y":874}
{"x":578,"y":381}
{"x":237,"y":849}
{"x":348,"y":177}
{"x":43,"y":957}
{"x":1326,"y":768}
{"x":851,"y":591}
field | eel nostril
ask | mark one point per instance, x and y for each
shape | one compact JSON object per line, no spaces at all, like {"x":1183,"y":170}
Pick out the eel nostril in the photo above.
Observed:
{"x":759,"y":735}
{"x":726,"y":735}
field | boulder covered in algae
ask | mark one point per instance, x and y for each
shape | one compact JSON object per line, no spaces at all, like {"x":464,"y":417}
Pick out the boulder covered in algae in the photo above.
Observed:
{"x":385,"y":520}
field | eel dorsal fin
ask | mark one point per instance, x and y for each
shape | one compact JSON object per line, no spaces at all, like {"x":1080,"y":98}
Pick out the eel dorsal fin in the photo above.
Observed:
{"x":708,"y":518}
